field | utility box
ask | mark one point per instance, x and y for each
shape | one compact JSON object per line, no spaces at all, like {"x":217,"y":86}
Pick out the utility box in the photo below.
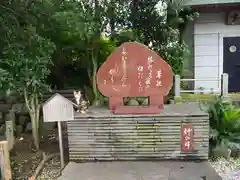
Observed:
{"x":58,"y":108}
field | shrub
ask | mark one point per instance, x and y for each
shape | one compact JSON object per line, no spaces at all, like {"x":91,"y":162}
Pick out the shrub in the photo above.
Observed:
{"x":224,"y":124}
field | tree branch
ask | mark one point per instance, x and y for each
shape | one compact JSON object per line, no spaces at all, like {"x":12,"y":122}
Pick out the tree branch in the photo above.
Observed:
{"x":27,"y":100}
{"x":32,"y":103}
{"x":41,"y":165}
{"x":11,"y":10}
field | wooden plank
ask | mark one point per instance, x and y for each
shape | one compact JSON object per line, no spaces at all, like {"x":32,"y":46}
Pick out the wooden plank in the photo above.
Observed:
{"x":5,"y":161}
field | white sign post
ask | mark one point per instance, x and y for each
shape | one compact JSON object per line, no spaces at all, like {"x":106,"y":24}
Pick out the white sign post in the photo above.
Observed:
{"x":58,"y":109}
{"x":61,"y":144}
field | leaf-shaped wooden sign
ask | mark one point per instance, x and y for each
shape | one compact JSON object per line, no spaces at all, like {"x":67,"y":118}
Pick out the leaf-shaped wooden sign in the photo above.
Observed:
{"x":134,"y":70}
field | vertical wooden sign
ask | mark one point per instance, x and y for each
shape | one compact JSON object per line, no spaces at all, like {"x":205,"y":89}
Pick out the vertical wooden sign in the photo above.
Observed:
{"x":187,"y":138}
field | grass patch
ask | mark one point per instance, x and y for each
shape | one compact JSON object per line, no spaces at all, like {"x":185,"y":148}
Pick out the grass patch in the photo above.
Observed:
{"x":197,"y":96}
{"x":189,"y":97}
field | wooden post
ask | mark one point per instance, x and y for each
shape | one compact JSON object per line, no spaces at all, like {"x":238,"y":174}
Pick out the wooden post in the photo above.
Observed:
{"x":5,"y":161}
{"x":10,"y":128}
{"x":10,"y":134}
{"x":177,"y":87}
{"x":224,"y":85}
{"x":10,"y":116}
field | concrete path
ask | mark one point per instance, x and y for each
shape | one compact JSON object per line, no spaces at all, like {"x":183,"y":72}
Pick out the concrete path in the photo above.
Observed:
{"x":164,"y":170}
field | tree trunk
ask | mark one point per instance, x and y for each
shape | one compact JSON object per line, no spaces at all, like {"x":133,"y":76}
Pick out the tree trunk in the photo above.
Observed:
{"x":94,"y":84}
{"x":35,"y":129}
{"x":33,"y":106}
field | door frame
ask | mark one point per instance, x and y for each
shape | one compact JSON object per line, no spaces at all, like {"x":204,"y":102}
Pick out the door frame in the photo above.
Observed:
{"x":223,"y":55}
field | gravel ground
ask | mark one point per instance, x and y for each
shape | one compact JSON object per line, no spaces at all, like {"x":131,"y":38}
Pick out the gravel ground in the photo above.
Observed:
{"x":227,"y":169}
{"x":51,"y":170}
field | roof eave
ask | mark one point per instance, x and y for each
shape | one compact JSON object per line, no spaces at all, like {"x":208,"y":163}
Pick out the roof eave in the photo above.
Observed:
{"x":209,"y":2}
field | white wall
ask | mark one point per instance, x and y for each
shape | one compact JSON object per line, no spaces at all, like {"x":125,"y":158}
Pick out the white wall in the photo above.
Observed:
{"x":209,"y":31}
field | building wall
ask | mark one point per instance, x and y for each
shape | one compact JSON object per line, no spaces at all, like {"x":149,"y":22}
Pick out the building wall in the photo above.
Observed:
{"x":209,"y":30}
{"x":201,"y":2}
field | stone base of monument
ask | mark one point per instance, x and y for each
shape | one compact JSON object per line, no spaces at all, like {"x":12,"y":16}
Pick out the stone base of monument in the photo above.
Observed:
{"x":102,"y":135}
{"x":155,"y":106}
{"x":137,"y":110}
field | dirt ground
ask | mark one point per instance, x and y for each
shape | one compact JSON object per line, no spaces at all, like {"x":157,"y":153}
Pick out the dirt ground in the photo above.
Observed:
{"x":25,"y":159}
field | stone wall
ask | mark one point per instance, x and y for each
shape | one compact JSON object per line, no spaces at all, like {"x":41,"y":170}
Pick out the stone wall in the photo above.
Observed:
{"x":101,"y":135}
{"x":13,"y":108}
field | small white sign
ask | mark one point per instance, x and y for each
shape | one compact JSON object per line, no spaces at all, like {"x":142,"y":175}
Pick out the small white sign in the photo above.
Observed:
{"x":58,"y":108}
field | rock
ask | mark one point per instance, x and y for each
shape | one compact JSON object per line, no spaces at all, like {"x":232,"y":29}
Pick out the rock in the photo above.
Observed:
{"x":2,"y":129}
{"x":141,"y":99}
{"x":19,"y":130}
{"x":2,"y":121}
{"x":24,"y":109}
{"x":17,"y":108}
{"x":22,"y":120}
{"x":29,"y":127}
{"x":10,"y":99}
{"x":125,"y":100}
{"x":10,"y":116}
{"x":132,"y":102}
{"x":235,"y":153}
{"x":145,"y":102}
{"x":221,"y":151}
{"x":49,"y":125}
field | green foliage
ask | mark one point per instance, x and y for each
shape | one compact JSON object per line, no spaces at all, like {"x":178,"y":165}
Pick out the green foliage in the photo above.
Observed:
{"x":26,"y":53}
{"x":224,"y":123}
{"x":106,"y":47}
{"x":224,"y":119}
{"x":160,"y":23}
{"x":175,"y":54}
{"x":3,"y":77}
{"x":25,"y":63}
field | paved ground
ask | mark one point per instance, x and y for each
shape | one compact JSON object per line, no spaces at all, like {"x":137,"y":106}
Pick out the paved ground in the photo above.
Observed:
{"x":164,"y":170}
